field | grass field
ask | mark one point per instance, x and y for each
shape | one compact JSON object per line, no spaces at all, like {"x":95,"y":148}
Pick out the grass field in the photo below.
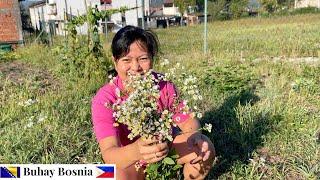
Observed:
{"x":262,"y":95}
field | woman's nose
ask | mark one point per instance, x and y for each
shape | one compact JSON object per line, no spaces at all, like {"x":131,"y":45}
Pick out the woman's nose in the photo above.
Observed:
{"x":135,"y":66}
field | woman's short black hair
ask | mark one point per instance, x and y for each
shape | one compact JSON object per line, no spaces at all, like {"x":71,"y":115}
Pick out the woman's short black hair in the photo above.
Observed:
{"x":129,"y":34}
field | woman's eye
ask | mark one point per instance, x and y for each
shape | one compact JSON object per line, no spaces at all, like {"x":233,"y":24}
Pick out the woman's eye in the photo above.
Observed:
{"x":144,"y":59}
{"x":126,"y":60}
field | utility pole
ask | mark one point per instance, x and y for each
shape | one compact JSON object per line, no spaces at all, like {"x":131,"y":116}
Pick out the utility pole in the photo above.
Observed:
{"x":205,"y":38}
{"x":65,"y":17}
{"x":66,"y":8}
{"x":106,"y":24}
{"x":142,"y":8}
{"x":137,"y":12}
{"x":148,"y":18}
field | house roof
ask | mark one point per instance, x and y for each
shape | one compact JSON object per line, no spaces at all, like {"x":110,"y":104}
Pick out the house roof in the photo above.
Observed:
{"x":37,"y":3}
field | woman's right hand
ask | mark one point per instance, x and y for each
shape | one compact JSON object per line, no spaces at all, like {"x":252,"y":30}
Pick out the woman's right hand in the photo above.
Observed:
{"x":151,"y":150}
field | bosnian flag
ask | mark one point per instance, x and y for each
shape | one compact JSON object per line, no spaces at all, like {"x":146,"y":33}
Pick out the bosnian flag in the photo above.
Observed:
{"x":9,"y":172}
{"x":106,"y":171}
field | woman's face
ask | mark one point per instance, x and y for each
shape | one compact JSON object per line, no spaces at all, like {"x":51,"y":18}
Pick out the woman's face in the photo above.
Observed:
{"x":137,"y":61}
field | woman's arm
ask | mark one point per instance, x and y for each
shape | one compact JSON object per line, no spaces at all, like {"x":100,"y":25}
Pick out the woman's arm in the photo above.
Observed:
{"x":148,"y":150}
{"x":191,"y":125}
{"x":112,"y":153}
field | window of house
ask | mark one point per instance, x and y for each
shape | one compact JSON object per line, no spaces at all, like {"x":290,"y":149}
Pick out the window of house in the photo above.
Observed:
{"x":168,"y":5}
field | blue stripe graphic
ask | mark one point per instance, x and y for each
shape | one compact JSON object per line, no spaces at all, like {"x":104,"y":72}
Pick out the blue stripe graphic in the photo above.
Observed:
{"x":106,"y":168}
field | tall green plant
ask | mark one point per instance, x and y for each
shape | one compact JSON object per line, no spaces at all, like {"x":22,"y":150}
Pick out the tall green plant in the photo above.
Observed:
{"x":87,"y":58}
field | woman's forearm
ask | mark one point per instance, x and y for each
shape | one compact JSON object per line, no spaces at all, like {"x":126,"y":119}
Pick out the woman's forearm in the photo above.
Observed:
{"x":190,"y":125}
{"x":123,"y":157}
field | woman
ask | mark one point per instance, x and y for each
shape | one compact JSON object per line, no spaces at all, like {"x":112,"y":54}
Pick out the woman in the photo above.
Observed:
{"x":133,"y":51}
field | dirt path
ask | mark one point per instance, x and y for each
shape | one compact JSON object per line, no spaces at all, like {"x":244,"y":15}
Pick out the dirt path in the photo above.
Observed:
{"x":18,"y":73}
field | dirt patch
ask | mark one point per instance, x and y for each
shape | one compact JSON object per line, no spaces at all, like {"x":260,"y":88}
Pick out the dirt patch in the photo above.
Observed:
{"x":19,"y":73}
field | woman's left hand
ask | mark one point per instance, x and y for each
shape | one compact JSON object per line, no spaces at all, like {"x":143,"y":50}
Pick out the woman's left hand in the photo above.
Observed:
{"x":203,"y":145}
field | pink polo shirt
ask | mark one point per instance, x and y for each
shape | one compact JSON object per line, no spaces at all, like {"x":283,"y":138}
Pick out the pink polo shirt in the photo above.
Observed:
{"x":102,"y":116}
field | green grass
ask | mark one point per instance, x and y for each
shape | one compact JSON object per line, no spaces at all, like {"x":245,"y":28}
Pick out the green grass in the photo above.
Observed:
{"x":265,"y":112}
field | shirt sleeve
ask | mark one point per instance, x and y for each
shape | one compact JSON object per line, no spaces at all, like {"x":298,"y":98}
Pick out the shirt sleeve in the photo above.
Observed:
{"x":175,"y":105}
{"x":102,"y":116}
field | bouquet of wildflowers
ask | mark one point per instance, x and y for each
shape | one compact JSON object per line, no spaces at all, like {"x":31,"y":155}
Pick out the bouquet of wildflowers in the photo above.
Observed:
{"x":140,"y":112}
{"x":143,"y":118}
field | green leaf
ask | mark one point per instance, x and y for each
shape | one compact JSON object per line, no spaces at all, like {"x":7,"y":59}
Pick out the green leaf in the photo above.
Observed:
{"x":168,"y":160}
{"x":177,"y":166}
{"x":152,"y":167}
{"x":176,"y":156}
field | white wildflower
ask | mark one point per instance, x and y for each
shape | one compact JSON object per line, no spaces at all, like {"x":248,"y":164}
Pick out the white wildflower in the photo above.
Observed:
{"x":199,"y":115}
{"x":30,"y":124}
{"x":195,"y":97}
{"x":28,"y":102}
{"x":41,"y":118}
{"x":207,"y":127}
{"x":165,"y":62}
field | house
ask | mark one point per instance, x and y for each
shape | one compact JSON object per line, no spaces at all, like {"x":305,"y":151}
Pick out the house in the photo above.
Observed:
{"x":169,"y":8}
{"x":52,"y":15}
{"x":306,"y":3}
{"x":27,"y":28}
{"x":163,"y":13}
{"x":10,"y":23}
{"x":135,"y":16}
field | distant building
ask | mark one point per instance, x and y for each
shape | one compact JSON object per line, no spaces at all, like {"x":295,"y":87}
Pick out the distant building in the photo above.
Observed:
{"x":10,"y":22}
{"x":306,"y":3}
{"x":25,"y":15}
{"x":135,"y":16}
{"x":169,"y":8}
{"x":52,"y":14}
{"x":157,"y":13}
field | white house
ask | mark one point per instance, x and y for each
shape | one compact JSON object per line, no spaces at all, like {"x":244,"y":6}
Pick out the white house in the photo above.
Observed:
{"x":53,"y":13}
{"x":156,"y":9}
{"x":306,"y":3}
{"x":169,"y":8}
{"x":131,"y":17}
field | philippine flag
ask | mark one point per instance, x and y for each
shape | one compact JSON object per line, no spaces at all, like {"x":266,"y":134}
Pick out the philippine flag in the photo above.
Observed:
{"x":106,"y":171}
{"x":9,"y":172}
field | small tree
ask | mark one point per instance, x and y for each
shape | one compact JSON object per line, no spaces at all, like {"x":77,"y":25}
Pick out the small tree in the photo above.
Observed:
{"x":215,"y":7}
{"x":237,"y":7}
{"x":269,"y":5}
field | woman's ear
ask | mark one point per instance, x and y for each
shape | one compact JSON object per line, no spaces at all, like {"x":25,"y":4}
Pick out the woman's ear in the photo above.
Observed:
{"x":114,"y":61}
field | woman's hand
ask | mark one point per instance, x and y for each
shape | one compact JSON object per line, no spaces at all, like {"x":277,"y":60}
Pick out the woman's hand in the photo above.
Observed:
{"x":151,"y":150}
{"x":203,"y":145}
